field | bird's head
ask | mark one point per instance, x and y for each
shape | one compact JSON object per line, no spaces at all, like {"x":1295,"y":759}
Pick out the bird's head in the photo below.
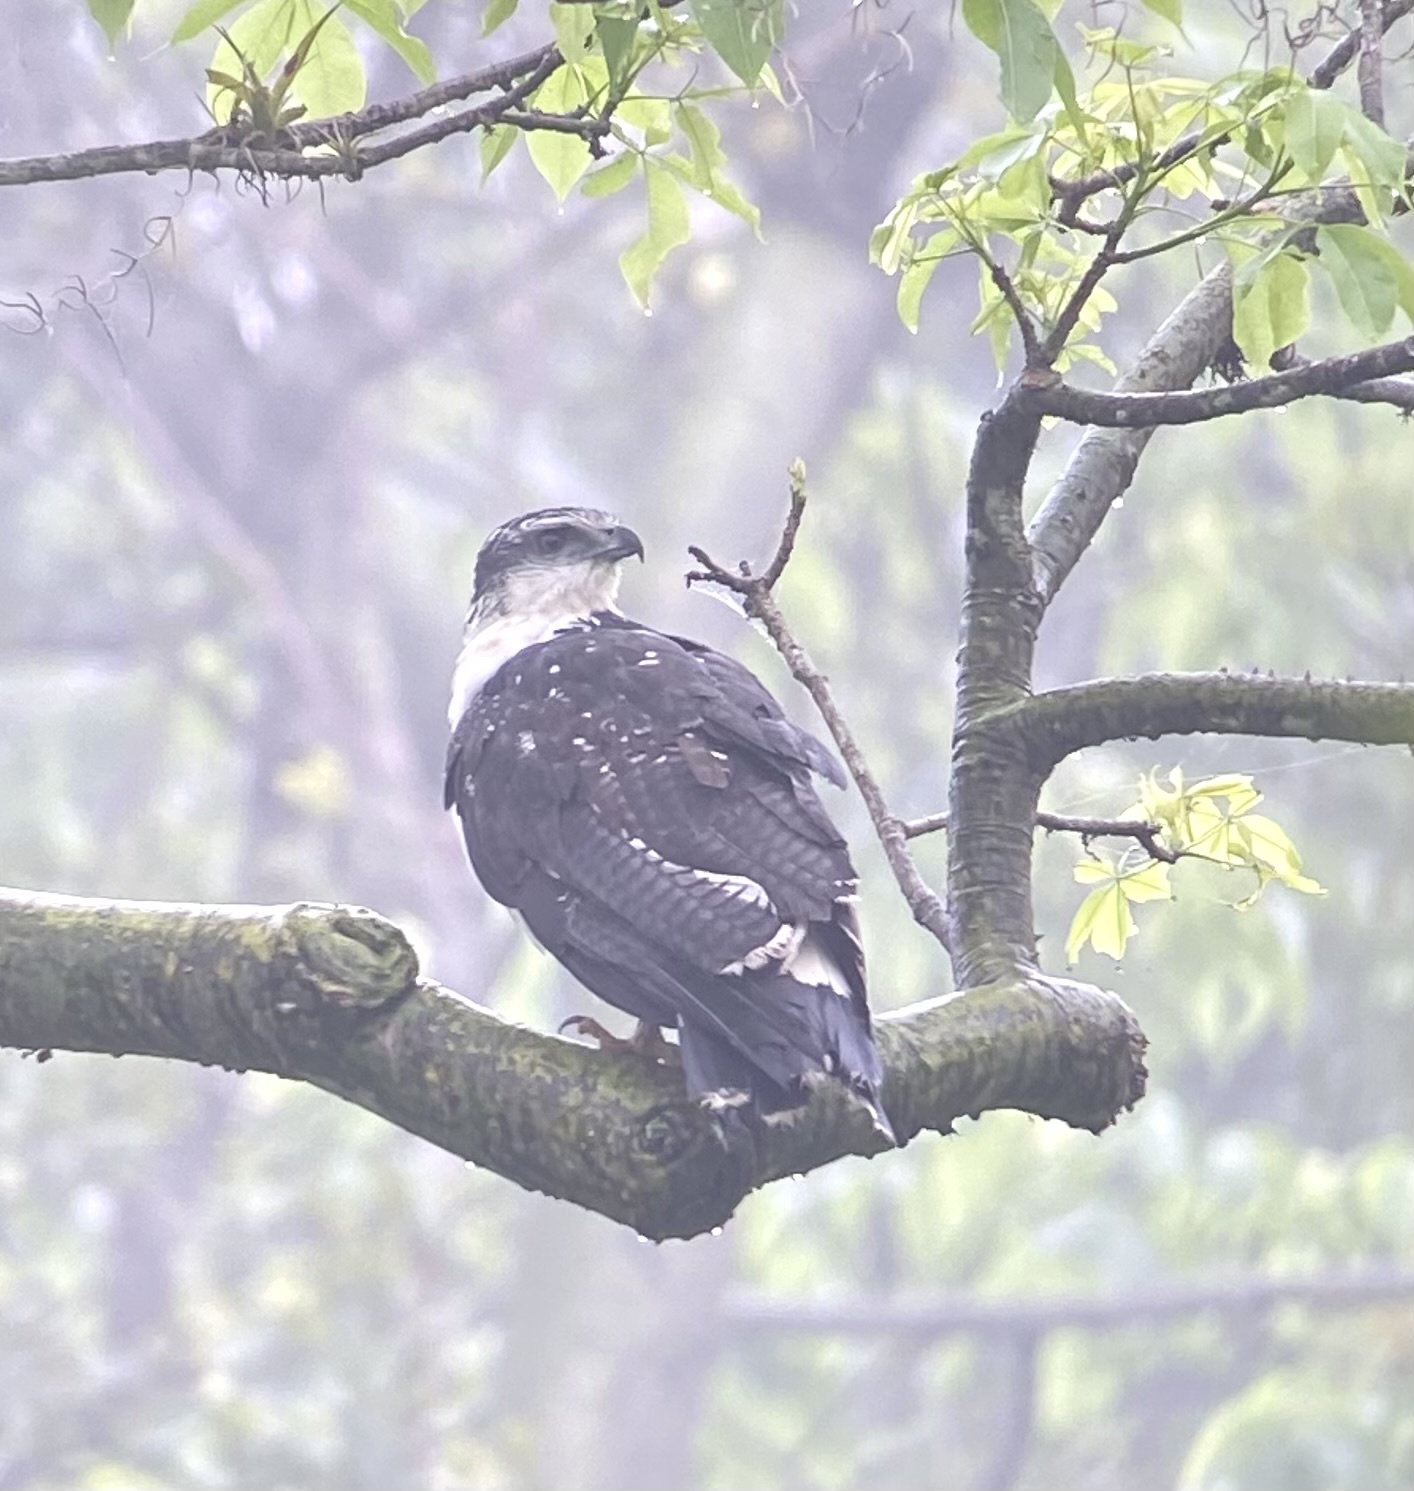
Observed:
{"x":560,"y":561}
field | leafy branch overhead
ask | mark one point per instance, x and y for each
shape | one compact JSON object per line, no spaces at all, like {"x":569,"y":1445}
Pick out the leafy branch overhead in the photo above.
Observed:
{"x":616,"y":93}
{"x":1142,"y":162}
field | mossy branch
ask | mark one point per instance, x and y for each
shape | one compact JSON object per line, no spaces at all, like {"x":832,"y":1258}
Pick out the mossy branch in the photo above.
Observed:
{"x":1063,"y":721}
{"x":331,"y":995}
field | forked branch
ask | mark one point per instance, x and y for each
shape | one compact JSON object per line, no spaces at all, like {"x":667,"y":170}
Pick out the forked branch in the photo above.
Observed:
{"x":759,"y":602}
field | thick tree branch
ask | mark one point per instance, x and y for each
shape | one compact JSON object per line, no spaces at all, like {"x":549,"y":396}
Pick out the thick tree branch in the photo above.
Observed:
{"x":1046,"y":394}
{"x":993,"y":790}
{"x":1371,"y":69}
{"x":343,"y":144}
{"x":331,"y":995}
{"x":1104,"y":463}
{"x":1066,"y":720}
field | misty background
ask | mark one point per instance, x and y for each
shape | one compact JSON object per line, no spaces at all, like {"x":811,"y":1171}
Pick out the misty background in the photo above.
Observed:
{"x":247,"y":452}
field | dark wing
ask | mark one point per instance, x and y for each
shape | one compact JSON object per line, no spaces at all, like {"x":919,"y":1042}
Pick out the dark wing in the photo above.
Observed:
{"x":647,"y":807}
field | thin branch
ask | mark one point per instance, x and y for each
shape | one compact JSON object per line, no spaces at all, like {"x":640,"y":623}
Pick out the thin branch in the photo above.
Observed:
{"x":341,"y":141}
{"x":759,"y":602}
{"x":1031,"y":347}
{"x":1349,"y":46}
{"x":1149,"y":835}
{"x":929,"y":1316}
{"x":1073,"y":194}
{"x":331,"y":995}
{"x":1330,"y":377}
{"x":1394,"y":393}
{"x":1066,"y":720}
{"x":1105,"y":461}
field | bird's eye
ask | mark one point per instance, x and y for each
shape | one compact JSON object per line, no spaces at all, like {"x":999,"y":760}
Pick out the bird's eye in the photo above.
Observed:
{"x":551,"y":541}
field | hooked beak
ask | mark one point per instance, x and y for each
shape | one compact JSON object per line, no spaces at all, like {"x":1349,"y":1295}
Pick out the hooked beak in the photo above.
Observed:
{"x":620,"y":543}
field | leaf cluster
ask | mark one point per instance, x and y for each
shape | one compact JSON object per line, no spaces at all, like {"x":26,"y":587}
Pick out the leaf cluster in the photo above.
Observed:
{"x":1210,"y":820}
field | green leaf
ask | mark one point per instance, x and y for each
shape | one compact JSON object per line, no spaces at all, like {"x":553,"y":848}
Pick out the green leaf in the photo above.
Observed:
{"x":561,"y":159}
{"x":704,"y":142}
{"x":617,"y":35}
{"x":1065,"y":87}
{"x":654,"y":116}
{"x":1364,"y":280}
{"x":1315,"y":126}
{"x":741,"y":32}
{"x":385,"y":17}
{"x":331,"y":80}
{"x":1366,"y":243}
{"x":497,"y":13}
{"x":1271,"y":306}
{"x":574,"y":29}
{"x":1167,"y":10}
{"x":612,"y":177}
{"x":912,"y":283}
{"x":112,"y":15}
{"x":201,"y":16}
{"x":668,"y":227}
{"x":496,"y":144}
{"x":1379,"y":152}
{"x":1021,"y":36}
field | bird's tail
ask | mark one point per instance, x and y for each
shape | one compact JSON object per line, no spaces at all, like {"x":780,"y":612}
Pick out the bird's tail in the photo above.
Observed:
{"x":771,"y":1038}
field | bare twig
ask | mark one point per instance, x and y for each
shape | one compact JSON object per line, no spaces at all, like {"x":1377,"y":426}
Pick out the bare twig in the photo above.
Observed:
{"x":1330,"y":377}
{"x":1147,"y":834}
{"x":759,"y":603}
{"x":1025,"y":324}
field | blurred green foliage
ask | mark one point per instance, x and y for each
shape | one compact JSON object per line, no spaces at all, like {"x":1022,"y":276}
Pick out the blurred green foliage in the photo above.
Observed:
{"x":234,"y":554}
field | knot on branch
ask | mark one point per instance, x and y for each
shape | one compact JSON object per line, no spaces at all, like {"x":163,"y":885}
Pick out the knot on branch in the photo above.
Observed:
{"x":344,"y":956}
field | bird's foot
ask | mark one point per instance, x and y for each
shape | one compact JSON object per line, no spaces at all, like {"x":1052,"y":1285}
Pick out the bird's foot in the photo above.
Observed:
{"x":647,"y":1040}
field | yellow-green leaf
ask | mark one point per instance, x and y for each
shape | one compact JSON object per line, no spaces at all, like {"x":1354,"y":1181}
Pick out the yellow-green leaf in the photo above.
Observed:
{"x":668,"y":227}
{"x":1102,"y":919}
{"x":1271,"y":844}
{"x":331,"y":79}
{"x":497,"y":13}
{"x":1315,"y":126}
{"x":612,"y":177}
{"x":386,"y":18}
{"x":574,"y":29}
{"x":201,"y":16}
{"x":1271,"y":306}
{"x":496,"y":144}
{"x":912,"y":283}
{"x":560,"y":158}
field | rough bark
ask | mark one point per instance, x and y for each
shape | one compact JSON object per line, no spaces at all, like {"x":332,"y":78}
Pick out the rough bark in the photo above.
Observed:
{"x":331,"y":995}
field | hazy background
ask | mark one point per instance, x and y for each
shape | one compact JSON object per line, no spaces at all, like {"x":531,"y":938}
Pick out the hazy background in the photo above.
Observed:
{"x":240,"y":492}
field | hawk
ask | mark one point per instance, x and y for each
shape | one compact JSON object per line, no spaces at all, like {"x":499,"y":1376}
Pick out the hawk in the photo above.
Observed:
{"x":646,"y":806}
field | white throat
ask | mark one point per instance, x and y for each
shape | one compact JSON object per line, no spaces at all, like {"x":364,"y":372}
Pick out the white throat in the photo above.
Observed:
{"x":529,"y":606}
